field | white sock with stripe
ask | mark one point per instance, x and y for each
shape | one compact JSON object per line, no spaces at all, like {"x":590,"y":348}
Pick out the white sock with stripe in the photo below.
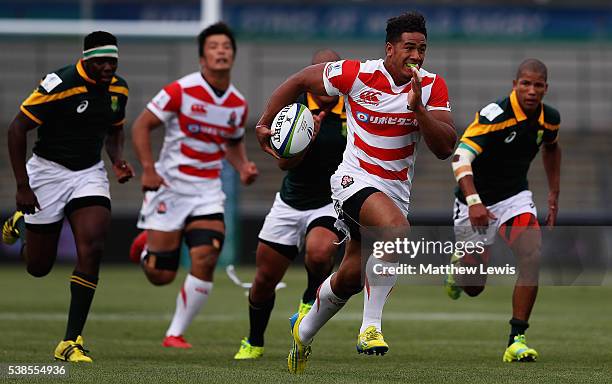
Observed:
{"x":375,"y":292}
{"x":192,"y":297}
{"x":324,"y":308}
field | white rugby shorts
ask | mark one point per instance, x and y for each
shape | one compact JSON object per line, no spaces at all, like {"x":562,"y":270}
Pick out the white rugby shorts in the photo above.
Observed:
{"x":345,"y":183}
{"x":504,"y":210}
{"x":287,"y":225}
{"x":166,"y":210}
{"x":55,"y":185}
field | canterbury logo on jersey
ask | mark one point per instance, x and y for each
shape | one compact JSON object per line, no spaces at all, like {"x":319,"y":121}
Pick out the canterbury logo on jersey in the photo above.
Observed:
{"x":370,"y":97}
{"x":199,"y":108}
{"x":83,"y":106}
{"x":386,"y":120}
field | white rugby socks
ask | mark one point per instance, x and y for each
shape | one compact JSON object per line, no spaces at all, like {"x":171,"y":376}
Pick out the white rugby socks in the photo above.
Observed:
{"x":193,"y":295}
{"x":325,"y":307}
{"x":376,"y":291}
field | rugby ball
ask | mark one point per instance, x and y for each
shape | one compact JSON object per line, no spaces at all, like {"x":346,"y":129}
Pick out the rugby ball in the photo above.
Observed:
{"x":292,"y":130}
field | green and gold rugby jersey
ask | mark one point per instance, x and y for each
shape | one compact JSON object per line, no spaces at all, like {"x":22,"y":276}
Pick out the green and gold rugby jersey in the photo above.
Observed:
{"x":505,"y":141}
{"x":74,"y":115}
{"x":307,"y":185}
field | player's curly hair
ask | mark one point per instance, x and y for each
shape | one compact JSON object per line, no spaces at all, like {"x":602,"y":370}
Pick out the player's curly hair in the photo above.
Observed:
{"x":219,"y":28}
{"x":98,"y":39}
{"x":407,"y":22}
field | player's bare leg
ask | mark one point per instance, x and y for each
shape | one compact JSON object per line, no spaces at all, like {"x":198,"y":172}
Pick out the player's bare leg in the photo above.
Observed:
{"x":473,"y":284}
{"x":526,"y":248}
{"x":40,"y":250}
{"x":321,"y":247}
{"x":271,"y":266}
{"x":204,"y":239}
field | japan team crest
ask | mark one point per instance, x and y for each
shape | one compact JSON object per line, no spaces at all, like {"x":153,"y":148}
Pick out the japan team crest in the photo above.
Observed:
{"x":232,"y":120}
{"x":347,"y":181}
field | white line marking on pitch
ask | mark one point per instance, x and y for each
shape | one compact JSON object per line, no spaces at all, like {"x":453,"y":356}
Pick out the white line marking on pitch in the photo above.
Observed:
{"x":208,"y":317}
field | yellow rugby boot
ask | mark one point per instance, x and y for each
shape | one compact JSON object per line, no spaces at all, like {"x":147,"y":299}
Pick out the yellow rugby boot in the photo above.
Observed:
{"x":248,"y":351}
{"x":371,"y":341}
{"x":304,"y":308}
{"x":10,"y":232}
{"x":450,"y":285}
{"x":298,"y":354}
{"x":519,"y":351}
{"x":72,"y":351}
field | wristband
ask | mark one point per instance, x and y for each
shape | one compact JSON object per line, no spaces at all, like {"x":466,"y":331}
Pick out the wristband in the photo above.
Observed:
{"x":473,"y":200}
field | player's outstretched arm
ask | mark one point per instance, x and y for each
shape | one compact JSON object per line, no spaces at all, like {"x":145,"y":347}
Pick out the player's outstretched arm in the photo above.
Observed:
{"x":551,"y":157}
{"x":114,"y":148}
{"x":17,"y":145}
{"x":141,"y":139}
{"x":309,"y":79}
{"x":235,"y":152}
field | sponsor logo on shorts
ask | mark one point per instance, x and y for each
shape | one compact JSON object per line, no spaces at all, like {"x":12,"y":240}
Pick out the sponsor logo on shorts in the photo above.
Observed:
{"x":161,"y":208}
{"x":347,"y":181}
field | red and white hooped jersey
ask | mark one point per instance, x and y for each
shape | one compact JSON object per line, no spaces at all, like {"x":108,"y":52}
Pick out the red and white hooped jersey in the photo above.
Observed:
{"x":382,"y":134}
{"x":198,"y":125}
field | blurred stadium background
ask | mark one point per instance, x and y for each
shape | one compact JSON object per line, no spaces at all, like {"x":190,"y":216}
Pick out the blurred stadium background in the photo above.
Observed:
{"x":476,"y":45}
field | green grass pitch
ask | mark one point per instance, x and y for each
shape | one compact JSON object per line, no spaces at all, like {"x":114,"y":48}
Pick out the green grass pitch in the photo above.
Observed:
{"x":432,"y":339}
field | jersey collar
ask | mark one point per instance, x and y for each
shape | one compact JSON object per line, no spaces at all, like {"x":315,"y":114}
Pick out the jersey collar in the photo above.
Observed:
{"x":312,"y":104}
{"x":518,"y":111}
{"x":82,"y":73}
{"x":218,"y":99}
